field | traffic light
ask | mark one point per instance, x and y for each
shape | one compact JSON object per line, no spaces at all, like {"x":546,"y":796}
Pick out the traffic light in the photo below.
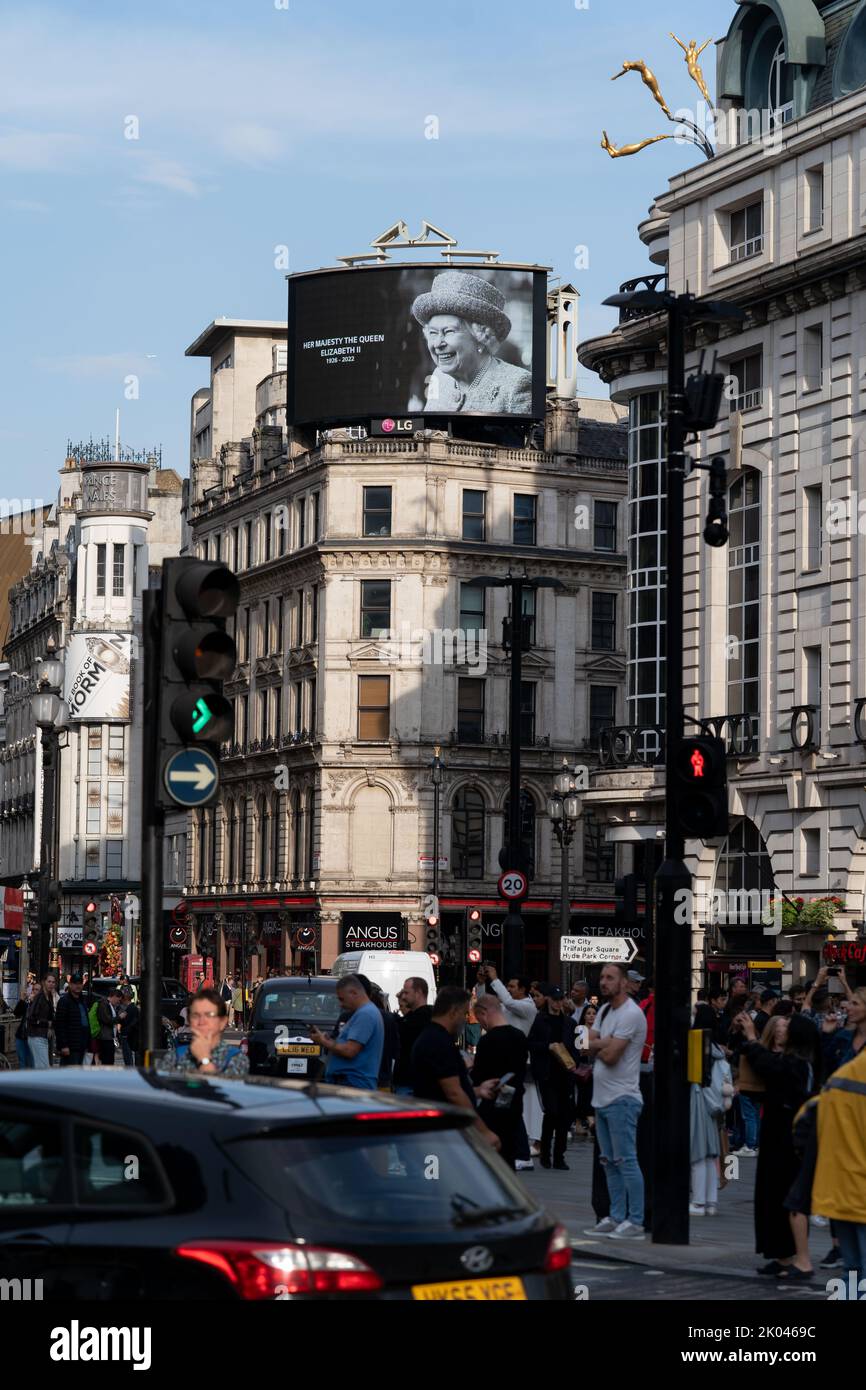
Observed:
{"x":197,"y":655}
{"x":699,"y":787}
{"x":433,"y":929}
{"x":716,"y":528}
{"x":49,"y":903}
{"x":625,"y":893}
{"x":92,"y":922}
{"x":703,"y":393}
{"x":473,"y":935}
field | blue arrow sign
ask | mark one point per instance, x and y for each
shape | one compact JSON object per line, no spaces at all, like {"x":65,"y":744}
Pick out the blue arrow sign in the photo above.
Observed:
{"x":191,"y":777}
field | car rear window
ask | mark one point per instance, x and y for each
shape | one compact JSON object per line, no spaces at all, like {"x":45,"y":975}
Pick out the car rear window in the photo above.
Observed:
{"x":321,"y":1007}
{"x":413,"y":1180}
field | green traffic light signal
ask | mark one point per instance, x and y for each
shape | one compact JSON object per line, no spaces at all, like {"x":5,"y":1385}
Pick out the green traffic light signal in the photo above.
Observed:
{"x":201,"y":716}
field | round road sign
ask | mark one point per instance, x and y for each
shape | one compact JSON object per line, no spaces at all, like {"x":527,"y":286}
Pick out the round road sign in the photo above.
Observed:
{"x":513,"y":885}
{"x":90,"y":948}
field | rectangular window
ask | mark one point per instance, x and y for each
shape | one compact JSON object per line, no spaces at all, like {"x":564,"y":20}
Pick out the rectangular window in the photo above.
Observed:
{"x":603,"y":635}
{"x":136,"y":570}
{"x":317,"y":520}
{"x":747,"y":385}
{"x":374,"y":708}
{"x":114,"y":812}
{"x":312,"y":684}
{"x":814,"y":202}
{"x":811,"y":853}
{"x":219,"y":546}
{"x":602,"y":709}
{"x":100,"y":571}
{"x":746,"y":232}
{"x":529,"y":612}
{"x":248,"y":544}
{"x":91,"y":859}
{"x":282,"y":525}
{"x":266,"y":535}
{"x":813,"y":533}
{"x":236,"y":548}
{"x":812,"y":676}
{"x":527,"y":713}
{"x":471,"y":608}
{"x":118,"y":571}
{"x":301,"y":518}
{"x":278,"y":713}
{"x":297,"y":706}
{"x":813,"y":357}
{"x":598,"y":853}
{"x":263,"y":715}
{"x":94,"y":808}
{"x":524,"y":523}
{"x":470,"y":710}
{"x":278,"y":645}
{"x":113,"y":859}
{"x":94,"y":752}
{"x":375,"y":607}
{"x":604,"y":526}
{"x":314,"y":615}
{"x":377,"y":511}
{"x":266,"y":628}
{"x":115,"y":749}
{"x":474,"y":515}
{"x":248,"y":650}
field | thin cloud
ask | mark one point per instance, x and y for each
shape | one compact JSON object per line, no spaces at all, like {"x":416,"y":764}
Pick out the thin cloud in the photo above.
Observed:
{"x":98,"y":366}
{"x":31,"y":151}
{"x":169,"y":174}
{"x":256,"y":145}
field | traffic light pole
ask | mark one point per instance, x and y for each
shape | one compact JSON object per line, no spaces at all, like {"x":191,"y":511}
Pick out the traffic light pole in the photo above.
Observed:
{"x":152,"y":826}
{"x":671,"y":1164}
{"x":512,"y":927}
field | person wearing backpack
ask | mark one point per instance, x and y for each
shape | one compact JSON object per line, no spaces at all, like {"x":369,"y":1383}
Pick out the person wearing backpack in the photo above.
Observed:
{"x":708,"y":1107}
{"x":71,"y":1026}
{"x":106,"y":1017}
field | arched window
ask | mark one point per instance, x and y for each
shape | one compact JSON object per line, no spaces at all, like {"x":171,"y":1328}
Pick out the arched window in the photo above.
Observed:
{"x":276,"y":861}
{"x":244,"y":842}
{"x":744,"y":600}
{"x":780,"y":91}
{"x":467,"y":834}
{"x":527,"y":827}
{"x":745,"y":875}
{"x":231,"y":842}
{"x":297,"y":837}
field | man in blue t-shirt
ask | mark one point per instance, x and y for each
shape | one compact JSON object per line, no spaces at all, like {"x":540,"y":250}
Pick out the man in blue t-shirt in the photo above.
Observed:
{"x":355,"y":1056}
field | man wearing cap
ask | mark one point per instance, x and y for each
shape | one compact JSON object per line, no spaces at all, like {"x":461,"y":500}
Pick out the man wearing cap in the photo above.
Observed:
{"x":465,"y":324}
{"x":634,"y":980}
{"x":71,"y":1026}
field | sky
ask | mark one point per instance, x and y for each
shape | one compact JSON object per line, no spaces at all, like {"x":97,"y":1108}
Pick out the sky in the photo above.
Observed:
{"x":155,"y":156}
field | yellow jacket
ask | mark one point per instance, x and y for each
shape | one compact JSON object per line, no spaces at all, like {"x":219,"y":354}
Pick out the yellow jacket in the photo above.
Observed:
{"x":839,"y":1189}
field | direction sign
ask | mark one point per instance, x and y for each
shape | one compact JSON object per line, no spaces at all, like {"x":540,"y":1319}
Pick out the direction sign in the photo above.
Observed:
{"x":191,"y":777}
{"x":513,"y":885}
{"x":597,"y":949}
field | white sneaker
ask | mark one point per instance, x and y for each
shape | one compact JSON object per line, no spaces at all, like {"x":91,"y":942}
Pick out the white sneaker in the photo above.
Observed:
{"x":696,"y":1209}
{"x":712,"y":1210}
{"x":627,"y":1230}
{"x":746,"y":1153}
{"x":524,"y":1165}
{"x":604,"y":1228}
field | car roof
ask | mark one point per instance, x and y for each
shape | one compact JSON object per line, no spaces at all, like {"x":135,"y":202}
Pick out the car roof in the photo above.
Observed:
{"x":321,"y":982}
{"x":122,"y":1094}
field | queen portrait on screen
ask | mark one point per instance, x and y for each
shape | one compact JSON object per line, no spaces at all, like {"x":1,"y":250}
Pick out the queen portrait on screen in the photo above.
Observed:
{"x":465,"y":326}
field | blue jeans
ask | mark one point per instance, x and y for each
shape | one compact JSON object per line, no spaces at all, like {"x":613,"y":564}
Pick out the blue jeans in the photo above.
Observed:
{"x":852,"y":1244}
{"x":751,"y":1120}
{"x":40,"y":1054}
{"x":616,"y":1130}
{"x":22,"y":1047}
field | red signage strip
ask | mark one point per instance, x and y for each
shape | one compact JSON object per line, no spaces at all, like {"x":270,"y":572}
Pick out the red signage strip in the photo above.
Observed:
{"x":235,"y":904}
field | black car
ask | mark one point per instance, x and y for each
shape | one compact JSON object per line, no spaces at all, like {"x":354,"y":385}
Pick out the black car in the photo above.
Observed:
{"x":278,"y":1041}
{"x":141,"y":1184}
{"x":175,"y":996}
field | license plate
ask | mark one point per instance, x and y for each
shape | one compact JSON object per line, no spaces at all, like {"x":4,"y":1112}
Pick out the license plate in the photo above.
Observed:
{"x":471,"y":1290}
{"x":297,"y":1065}
{"x":297,"y":1049}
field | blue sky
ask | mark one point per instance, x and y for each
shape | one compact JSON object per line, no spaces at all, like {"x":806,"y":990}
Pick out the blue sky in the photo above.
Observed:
{"x":260,"y":126}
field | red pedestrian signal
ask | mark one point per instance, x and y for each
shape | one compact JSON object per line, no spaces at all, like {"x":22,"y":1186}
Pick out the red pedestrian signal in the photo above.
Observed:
{"x":699,"y":787}
{"x":697,"y":762}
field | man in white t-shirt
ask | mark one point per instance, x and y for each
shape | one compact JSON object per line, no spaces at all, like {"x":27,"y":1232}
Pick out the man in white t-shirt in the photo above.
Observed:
{"x":616,"y":1043}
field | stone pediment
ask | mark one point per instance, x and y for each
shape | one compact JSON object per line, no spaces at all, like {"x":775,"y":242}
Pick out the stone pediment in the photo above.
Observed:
{"x":612,"y":666}
{"x":382,"y":652}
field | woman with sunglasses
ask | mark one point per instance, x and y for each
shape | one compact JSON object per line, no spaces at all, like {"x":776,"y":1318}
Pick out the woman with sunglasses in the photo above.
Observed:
{"x":208,"y":1052}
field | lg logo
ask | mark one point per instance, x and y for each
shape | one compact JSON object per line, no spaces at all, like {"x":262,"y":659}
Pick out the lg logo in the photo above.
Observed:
{"x":390,"y":426}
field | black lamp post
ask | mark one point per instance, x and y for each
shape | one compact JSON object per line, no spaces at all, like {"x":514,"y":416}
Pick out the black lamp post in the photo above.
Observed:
{"x":47,"y":708}
{"x":565,"y":808}
{"x":436,"y":767}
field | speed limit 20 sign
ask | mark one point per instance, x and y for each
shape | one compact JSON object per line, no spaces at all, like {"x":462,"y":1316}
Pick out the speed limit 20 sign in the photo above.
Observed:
{"x":513,"y":885}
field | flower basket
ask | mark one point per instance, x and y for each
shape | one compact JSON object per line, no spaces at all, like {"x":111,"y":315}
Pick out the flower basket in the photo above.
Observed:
{"x":815,"y":915}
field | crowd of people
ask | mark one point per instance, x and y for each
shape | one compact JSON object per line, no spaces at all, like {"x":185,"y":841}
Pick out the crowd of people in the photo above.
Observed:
{"x":74,"y":1025}
{"x":788,"y":1088}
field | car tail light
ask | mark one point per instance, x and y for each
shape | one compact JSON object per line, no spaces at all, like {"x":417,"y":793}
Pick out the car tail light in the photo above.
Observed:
{"x":558,"y":1251}
{"x":399,"y":1115}
{"x":273,"y":1271}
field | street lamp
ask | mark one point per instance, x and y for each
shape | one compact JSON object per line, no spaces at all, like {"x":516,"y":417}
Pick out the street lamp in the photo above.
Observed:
{"x":47,"y":708}
{"x":565,"y":808}
{"x":436,"y":769}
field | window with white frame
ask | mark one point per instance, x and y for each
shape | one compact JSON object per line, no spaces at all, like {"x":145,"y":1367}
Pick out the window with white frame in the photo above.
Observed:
{"x":746,"y":231}
{"x":813,"y":219}
{"x":813,"y":534}
{"x":747,"y":385}
{"x":813,"y":357}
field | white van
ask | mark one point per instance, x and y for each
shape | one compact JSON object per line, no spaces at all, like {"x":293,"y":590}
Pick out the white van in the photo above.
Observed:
{"x":388,"y":970}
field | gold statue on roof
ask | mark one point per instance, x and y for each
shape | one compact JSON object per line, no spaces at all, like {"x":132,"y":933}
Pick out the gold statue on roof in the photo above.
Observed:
{"x":693,"y":53}
{"x":617,"y":151}
{"x":648,"y":78}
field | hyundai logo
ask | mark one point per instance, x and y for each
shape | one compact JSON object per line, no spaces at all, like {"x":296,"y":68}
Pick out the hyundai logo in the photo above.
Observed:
{"x":476,"y":1259}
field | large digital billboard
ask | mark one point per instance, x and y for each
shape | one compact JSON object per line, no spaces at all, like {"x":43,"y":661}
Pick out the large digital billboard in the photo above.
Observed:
{"x":417,"y":340}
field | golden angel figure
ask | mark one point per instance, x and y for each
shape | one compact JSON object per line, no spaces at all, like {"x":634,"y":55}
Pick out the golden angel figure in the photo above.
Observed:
{"x":617,"y":151}
{"x":648,"y":78}
{"x":693,"y":53}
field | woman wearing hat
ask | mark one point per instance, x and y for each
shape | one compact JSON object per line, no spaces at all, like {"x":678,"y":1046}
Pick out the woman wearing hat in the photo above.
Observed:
{"x":465,"y":325}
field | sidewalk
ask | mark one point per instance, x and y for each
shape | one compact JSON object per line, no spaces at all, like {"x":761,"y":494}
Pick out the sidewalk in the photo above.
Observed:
{"x":719,"y":1245}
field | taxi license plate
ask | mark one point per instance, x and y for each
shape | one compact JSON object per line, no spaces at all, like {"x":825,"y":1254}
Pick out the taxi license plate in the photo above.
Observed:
{"x":297,"y":1066}
{"x":471,"y":1290}
{"x":297,"y":1049}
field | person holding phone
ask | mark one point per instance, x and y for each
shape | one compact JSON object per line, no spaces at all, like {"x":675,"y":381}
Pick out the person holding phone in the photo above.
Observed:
{"x":501,"y":1054}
